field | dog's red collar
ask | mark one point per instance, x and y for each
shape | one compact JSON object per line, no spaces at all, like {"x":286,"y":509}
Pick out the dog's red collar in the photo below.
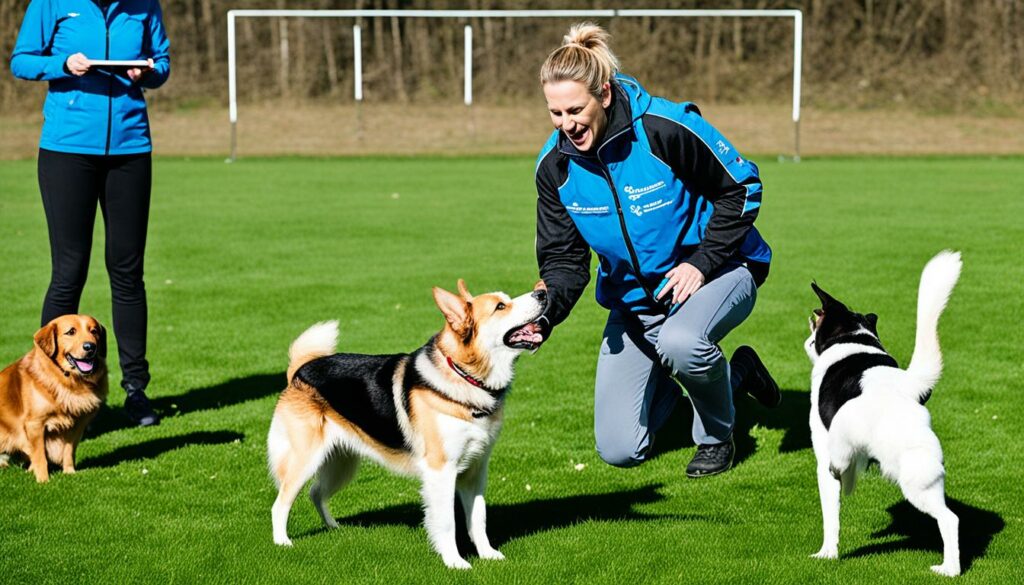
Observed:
{"x":465,"y":375}
{"x":476,"y":413}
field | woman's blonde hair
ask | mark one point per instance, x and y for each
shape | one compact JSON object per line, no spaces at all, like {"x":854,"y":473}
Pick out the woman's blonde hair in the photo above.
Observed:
{"x":584,"y":57}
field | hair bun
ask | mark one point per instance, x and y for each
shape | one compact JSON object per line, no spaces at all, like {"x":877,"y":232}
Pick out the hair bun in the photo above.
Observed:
{"x":584,"y":57}
{"x":587,"y":35}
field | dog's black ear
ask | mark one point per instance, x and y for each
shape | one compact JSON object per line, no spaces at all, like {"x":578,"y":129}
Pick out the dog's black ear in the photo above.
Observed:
{"x":872,"y":322}
{"x":454,"y":308}
{"x":46,"y":339}
{"x":826,"y":299}
{"x":101,"y":342}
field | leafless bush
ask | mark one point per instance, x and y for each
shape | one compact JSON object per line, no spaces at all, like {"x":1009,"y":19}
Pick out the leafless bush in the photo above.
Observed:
{"x":942,"y":55}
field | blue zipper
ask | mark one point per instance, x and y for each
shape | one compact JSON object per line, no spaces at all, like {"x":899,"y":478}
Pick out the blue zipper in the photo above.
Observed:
{"x":110,"y":83}
{"x":634,"y":259}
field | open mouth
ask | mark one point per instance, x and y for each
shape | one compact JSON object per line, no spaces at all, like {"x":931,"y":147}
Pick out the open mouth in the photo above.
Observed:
{"x":526,"y":336}
{"x":578,"y":137}
{"x":85,"y":366}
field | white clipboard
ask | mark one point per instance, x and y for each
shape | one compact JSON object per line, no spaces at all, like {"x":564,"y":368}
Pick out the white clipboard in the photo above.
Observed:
{"x":117,"y":63}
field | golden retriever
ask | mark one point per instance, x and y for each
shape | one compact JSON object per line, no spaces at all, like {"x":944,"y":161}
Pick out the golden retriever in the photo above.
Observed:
{"x":48,"y":397}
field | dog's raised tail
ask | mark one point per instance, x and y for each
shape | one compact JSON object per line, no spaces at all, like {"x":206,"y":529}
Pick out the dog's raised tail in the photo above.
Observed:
{"x":318,"y":341}
{"x":937,"y":282}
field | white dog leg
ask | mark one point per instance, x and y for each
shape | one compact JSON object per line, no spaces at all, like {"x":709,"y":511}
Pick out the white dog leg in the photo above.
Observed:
{"x":471,"y":492}
{"x":949,"y":526}
{"x":932,"y":501}
{"x":297,"y":469}
{"x":281,"y":508}
{"x":828,"y":493}
{"x":336,"y":471}
{"x":439,"y":504}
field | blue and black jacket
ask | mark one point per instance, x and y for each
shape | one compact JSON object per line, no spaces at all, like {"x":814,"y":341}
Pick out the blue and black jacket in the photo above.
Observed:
{"x":102,"y":112}
{"x":663,"y":187}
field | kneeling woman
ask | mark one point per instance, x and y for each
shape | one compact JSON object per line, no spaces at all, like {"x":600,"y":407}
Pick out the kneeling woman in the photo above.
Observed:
{"x":668,"y":205}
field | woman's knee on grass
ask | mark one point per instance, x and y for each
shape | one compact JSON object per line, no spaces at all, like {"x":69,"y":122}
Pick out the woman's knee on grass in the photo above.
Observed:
{"x":622,"y":449}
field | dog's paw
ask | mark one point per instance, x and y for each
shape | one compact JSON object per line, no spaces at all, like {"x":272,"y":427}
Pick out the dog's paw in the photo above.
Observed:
{"x":826,"y":553}
{"x":491,"y":554}
{"x":5,"y":460}
{"x":69,"y":471}
{"x":946,"y":570}
{"x":457,"y":562}
{"x":283,"y":541}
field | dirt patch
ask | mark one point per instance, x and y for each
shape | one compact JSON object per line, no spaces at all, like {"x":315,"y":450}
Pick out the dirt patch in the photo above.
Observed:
{"x":282,"y":129}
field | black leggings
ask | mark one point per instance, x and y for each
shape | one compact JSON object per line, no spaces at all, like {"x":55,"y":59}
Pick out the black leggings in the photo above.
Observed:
{"x":71,"y":185}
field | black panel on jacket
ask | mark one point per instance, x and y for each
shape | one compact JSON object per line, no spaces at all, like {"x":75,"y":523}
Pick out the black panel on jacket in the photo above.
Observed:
{"x":693,"y":162}
{"x":562,"y":254}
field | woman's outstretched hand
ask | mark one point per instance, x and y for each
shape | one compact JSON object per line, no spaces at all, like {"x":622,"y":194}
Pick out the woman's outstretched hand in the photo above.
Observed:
{"x":683,"y":281}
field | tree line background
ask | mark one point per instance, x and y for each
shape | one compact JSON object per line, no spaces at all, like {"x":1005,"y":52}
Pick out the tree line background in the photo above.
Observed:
{"x":935,"y":55}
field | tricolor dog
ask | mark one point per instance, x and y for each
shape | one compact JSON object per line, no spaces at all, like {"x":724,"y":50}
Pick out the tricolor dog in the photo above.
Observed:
{"x":433,"y":414}
{"x":864,"y":407}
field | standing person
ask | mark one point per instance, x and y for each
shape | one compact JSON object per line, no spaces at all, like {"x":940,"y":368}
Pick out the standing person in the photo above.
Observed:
{"x":668,"y":205}
{"x":95,"y":148}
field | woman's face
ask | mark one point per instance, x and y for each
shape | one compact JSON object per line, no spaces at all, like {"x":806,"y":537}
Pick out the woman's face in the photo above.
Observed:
{"x":577,"y":113}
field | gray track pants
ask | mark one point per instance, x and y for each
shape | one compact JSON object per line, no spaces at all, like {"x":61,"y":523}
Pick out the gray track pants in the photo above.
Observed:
{"x":635,"y":392}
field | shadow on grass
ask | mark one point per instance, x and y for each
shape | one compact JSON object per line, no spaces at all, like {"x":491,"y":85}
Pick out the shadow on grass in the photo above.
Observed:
{"x":225,"y":394}
{"x":920,"y":531}
{"x":506,"y":522}
{"x":791,"y":416}
{"x":157,"y":447}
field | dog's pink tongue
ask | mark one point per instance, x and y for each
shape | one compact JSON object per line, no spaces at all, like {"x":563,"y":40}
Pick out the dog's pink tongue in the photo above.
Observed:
{"x":84,"y":366}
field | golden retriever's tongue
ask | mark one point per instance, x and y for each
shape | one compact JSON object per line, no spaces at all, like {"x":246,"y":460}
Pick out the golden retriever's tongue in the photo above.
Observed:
{"x":83,"y":366}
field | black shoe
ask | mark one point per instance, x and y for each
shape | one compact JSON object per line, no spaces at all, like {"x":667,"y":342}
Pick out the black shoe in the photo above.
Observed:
{"x":711,"y":459}
{"x":756,"y":381}
{"x":138,"y":408}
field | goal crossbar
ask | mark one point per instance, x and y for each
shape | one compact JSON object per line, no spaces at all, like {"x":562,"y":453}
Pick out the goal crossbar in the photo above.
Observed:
{"x":796,"y":15}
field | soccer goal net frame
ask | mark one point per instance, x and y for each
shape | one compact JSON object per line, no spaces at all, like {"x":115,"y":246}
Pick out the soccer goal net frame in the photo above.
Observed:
{"x":233,"y":15}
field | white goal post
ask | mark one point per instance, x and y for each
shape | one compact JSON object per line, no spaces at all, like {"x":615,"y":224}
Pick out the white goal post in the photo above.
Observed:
{"x":796,"y":15}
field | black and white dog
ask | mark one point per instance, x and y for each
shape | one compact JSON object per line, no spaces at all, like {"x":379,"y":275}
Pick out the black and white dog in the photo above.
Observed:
{"x":863,"y":407}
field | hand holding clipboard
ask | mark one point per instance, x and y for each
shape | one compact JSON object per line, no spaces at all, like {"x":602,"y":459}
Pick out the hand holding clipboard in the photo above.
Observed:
{"x":78,"y":65}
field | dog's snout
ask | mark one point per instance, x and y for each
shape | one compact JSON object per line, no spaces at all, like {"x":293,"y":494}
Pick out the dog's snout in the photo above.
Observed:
{"x":89,"y":347}
{"x":541,"y":295}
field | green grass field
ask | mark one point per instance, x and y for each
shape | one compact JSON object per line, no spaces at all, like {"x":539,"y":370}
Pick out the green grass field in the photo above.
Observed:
{"x":243,"y":257}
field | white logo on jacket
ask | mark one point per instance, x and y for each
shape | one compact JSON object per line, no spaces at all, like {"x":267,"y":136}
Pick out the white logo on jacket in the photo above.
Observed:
{"x":638,"y":192}
{"x":640,"y":210}
{"x":581,"y":210}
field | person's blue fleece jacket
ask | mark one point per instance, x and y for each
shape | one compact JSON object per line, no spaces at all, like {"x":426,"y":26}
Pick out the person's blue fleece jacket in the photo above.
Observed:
{"x":663,"y":187}
{"x":102,"y":112}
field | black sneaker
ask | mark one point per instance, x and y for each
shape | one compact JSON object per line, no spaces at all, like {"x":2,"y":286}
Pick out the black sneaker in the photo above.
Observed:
{"x":711,"y":459}
{"x":138,"y":408}
{"x":755,"y":379}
